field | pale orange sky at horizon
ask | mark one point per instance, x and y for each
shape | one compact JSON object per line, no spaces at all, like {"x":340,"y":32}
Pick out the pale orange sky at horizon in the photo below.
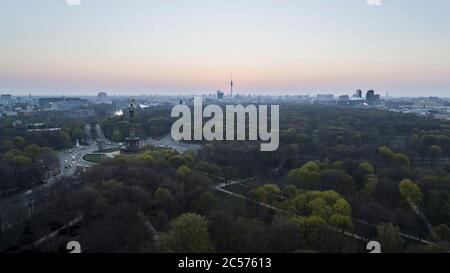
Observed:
{"x":269,"y":47}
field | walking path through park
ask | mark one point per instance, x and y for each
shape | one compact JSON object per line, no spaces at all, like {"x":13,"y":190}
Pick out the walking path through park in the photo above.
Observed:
{"x":349,"y":234}
{"x":419,"y":213}
{"x":227,"y":183}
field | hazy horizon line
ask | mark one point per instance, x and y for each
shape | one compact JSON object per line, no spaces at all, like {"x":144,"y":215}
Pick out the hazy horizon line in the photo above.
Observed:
{"x":311,"y":94}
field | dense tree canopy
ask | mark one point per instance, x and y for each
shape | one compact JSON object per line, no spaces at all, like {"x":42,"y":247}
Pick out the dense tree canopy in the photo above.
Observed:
{"x":338,"y":171}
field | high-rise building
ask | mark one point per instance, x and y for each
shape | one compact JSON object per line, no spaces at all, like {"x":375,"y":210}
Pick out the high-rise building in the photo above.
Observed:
{"x":219,"y":95}
{"x":344,"y":100}
{"x":325,"y":99}
{"x":370,"y":97}
{"x":61,"y":103}
{"x":6,"y":99}
{"x":358,"y":94}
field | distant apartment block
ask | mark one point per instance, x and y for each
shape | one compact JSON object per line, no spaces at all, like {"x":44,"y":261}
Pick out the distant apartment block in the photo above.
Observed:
{"x":63,"y":104}
{"x":6,"y":99}
{"x":372,"y":98}
{"x":325,"y":99}
{"x":358,"y":94}
{"x":220,"y":95}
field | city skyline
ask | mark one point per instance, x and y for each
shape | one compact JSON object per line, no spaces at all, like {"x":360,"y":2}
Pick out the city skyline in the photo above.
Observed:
{"x":191,"y":47}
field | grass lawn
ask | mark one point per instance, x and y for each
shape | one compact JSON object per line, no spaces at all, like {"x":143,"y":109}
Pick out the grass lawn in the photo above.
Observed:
{"x":109,"y":150}
{"x":94,"y":158}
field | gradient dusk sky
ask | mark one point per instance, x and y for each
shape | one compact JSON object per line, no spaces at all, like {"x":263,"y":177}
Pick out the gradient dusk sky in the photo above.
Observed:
{"x":193,"y":46}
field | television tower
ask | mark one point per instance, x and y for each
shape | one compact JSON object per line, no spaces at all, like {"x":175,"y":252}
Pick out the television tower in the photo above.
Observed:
{"x":231,"y":86}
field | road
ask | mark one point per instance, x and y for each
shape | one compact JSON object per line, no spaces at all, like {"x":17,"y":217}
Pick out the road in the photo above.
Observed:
{"x":166,"y":141}
{"x":14,"y":209}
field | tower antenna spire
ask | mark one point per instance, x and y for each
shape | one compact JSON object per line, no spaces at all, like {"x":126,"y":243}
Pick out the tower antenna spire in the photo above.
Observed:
{"x":231,"y":86}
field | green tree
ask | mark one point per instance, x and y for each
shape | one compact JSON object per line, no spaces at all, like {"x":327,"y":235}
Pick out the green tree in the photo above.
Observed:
{"x":401,"y":160}
{"x":410,"y":191}
{"x":265,"y":193}
{"x":89,"y":202}
{"x":21,"y":163}
{"x":116,"y":136}
{"x":434,"y":153}
{"x":32,"y":151}
{"x":311,"y":227}
{"x":388,"y":237}
{"x":162,"y":195}
{"x":319,"y":207}
{"x":343,"y":222}
{"x":177,"y":160}
{"x":50,"y":158}
{"x":206,"y":203}
{"x":290,"y":191}
{"x":182,"y":172}
{"x":370,"y":187}
{"x":63,"y":140}
{"x":19,"y":141}
{"x":342,"y":207}
{"x":386,"y":153}
{"x":366,"y":168}
{"x":188,"y":233}
{"x":440,"y":247}
{"x":209,"y":168}
{"x":443,"y":232}
{"x":306,"y":177}
{"x":77,"y":133}
{"x":7,"y":144}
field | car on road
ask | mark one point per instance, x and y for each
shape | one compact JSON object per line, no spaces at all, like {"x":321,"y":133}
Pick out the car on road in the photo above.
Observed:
{"x":27,"y":194}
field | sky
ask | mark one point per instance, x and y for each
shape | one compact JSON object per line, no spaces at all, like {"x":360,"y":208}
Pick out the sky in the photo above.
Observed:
{"x":49,"y":47}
